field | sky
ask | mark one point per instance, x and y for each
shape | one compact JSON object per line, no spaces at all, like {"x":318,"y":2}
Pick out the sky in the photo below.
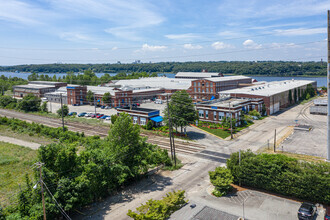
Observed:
{"x":107,"y":31}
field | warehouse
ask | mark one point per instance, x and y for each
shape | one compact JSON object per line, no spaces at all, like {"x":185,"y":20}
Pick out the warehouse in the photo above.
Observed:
{"x":196,"y":75}
{"x":276,"y":95}
{"x":218,"y":109}
{"x":37,"y":88}
{"x":209,"y":88}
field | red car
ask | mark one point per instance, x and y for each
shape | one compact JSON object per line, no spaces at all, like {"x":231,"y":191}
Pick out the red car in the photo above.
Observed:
{"x":137,"y":104}
{"x":99,"y":115}
{"x":93,"y":115}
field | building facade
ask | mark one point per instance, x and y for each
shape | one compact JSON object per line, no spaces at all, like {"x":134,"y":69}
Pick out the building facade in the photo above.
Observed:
{"x":76,"y":94}
{"x":141,"y":116}
{"x":196,"y":75}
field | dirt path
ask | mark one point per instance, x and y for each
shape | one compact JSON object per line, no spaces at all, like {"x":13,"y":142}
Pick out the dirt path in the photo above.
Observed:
{"x":31,"y":145}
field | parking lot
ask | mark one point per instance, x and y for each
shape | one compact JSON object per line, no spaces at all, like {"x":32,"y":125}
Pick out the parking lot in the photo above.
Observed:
{"x":53,"y":107}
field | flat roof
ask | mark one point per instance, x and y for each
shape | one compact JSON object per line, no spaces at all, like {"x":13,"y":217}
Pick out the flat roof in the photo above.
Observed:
{"x":148,"y":110}
{"x":197,"y":74}
{"x":145,"y":90}
{"x":34,"y":86}
{"x":269,"y":88}
{"x":46,"y":82}
{"x":224,"y":102}
{"x":157,"y":82}
{"x":227,"y":78}
{"x":101,"y":90}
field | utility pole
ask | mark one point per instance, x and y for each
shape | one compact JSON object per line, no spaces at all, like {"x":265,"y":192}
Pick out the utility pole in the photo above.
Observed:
{"x":328,"y":89}
{"x":62,"y":112}
{"x":275,"y":141}
{"x":231,"y":122}
{"x":169,"y":126}
{"x":239,"y":162}
{"x":94,"y":104}
{"x":39,"y":165}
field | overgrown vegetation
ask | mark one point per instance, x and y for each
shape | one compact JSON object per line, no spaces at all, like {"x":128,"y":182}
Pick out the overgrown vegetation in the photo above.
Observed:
{"x":29,"y":103}
{"x":76,"y":179}
{"x":266,"y":68}
{"x":160,"y":209}
{"x":282,"y":174}
{"x":7,"y":83}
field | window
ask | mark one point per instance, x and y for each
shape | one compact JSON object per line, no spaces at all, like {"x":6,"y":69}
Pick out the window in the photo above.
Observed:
{"x":135,"y":118}
{"x":199,"y":89}
{"x":201,"y":113}
{"x":206,"y":114}
{"x":207,"y":89}
{"x":207,"y":84}
{"x":142,"y":121}
{"x":194,"y":83}
{"x":202,"y":84}
{"x":80,"y":92}
{"x":214,"y":115}
{"x":203,"y":91}
{"x":221,"y":115}
{"x":195,"y":89}
{"x":211,"y":89}
{"x":71,"y":92}
{"x":199,"y":84}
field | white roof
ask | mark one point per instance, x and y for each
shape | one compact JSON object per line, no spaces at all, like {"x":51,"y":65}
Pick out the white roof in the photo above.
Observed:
{"x":100,"y":90}
{"x":196,"y":74}
{"x":157,"y":82}
{"x":227,"y":78}
{"x":269,"y":88}
{"x":34,"y":86}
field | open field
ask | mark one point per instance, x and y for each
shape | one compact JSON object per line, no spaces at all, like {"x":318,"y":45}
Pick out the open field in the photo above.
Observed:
{"x":15,"y":162}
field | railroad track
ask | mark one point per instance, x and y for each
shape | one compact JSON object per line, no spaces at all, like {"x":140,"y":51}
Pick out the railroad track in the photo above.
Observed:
{"x":163,"y":142}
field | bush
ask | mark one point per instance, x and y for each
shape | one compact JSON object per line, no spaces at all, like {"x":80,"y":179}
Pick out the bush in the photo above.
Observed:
{"x":254,"y":113}
{"x":221,"y":179}
{"x":160,"y":209}
{"x":65,"y":111}
{"x":149,"y":125}
{"x":113,"y":118}
{"x":282,"y":174}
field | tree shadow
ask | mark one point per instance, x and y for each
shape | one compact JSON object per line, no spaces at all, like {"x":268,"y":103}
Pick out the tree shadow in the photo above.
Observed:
{"x":194,"y":135}
{"x":99,"y":210}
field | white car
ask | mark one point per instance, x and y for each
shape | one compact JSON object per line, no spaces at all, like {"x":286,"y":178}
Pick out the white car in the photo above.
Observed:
{"x":107,"y":107}
{"x":88,"y":114}
{"x":108,"y":118}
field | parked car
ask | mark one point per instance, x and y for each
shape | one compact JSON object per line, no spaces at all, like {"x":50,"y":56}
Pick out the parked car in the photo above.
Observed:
{"x":134,"y":105}
{"x":108,"y":118}
{"x":307,"y":211}
{"x":138,"y":104}
{"x":107,"y":107}
{"x":327,"y":213}
{"x":158,"y":101}
{"x":99,"y":115}
{"x":82,"y":114}
{"x":104,"y":116}
{"x":72,"y":113}
{"x":93,"y":115}
{"x":102,"y":106}
{"x":88,"y":114}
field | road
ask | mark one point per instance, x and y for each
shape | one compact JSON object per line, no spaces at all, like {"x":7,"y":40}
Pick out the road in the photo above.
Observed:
{"x":193,"y":177}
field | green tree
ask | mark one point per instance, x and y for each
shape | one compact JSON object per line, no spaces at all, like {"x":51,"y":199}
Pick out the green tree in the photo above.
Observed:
{"x":264,"y":109}
{"x":221,"y":178}
{"x":149,"y":125}
{"x":113,"y":118}
{"x":29,"y":103}
{"x":43,"y":107}
{"x":65,"y":111}
{"x":299,"y":93}
{"x":5,"y":101}
{"x":106,"y":99}
{"x":182,"y":110}
{"x":90,"y":97}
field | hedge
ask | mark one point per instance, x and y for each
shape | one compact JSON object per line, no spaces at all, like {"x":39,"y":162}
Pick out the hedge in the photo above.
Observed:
{"x":282,"y":174}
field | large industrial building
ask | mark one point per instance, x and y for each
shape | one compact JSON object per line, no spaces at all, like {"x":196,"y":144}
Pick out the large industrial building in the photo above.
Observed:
{"x":209,"y":88}
{"x":274,"y":94}
{"x":38,"y":88}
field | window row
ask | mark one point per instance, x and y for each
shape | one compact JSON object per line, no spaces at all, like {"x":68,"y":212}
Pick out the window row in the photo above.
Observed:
{"x":203,"y":91}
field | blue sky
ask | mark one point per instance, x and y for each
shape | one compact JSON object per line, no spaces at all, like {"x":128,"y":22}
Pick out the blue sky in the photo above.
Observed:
{"x":107,"y":31}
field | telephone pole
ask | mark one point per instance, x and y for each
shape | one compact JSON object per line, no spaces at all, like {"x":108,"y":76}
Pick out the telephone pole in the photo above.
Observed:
{"x":39,"y":166}
{"x":94,"y":104}
{"x":275,"y":141}
{"x":328,"y":89}
{"x":62,"y":112}
{"x":169,"y":126}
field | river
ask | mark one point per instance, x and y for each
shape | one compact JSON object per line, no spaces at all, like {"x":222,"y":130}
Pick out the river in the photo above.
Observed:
{"x":321,"y":81}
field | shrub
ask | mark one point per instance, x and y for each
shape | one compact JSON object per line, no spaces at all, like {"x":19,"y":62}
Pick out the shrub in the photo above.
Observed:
{"x":160,"y":209}
{"x":254,"y":113}
{"x":113,"y":118}
{"x":65,"y":111}
{"x":282,"y":174}
{"x":221,"y":179}
{"x":149,"y":125}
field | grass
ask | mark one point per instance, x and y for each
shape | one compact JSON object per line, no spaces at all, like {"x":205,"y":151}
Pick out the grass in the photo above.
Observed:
{"x":173,"y":167}
{"x":218,"y":132}
{"x":15,"y":163}
{"x":30,"y":137}
{"x":308,"y":100}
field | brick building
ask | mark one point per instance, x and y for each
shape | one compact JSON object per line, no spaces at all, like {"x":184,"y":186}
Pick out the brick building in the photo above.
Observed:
{"x":141,"y":116}
{"x":37,"y":88}
{"x":209,"y":88}
{"x":76,"y":95}
{"x":196,"y":75}
{"x":216,"y":110}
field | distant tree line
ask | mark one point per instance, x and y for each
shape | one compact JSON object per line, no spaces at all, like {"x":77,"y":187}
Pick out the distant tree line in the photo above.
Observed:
{"x":266,"y":68}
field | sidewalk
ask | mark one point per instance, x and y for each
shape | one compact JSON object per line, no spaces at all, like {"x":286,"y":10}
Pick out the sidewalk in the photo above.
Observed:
{"x":31,"y":145}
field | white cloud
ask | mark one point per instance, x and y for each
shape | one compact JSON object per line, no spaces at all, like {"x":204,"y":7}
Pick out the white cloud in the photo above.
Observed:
{"x":74,"y":36}
{"x":187,"y":36}
{"x":221,"y":45}
{"x":114,"y":48}
{"x":284,"y":45}
{"x":192,"y":47}
{"x":301,"y":31}
{"x":146,"y":47}
{"x":251,"y":44}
